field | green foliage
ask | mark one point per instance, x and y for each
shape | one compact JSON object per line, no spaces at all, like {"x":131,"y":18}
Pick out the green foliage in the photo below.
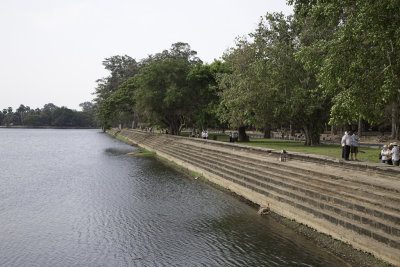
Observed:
{"x":358,"y":60}
{"x":162,"y":93}
{"x":49,"y":115}
{"x":204,"y":89}
{"x":33,"y":120}
{"x":334,"y":151}
{"x":268,"y":86}
{"x":119,"y":107}
{"x":333,"y":61}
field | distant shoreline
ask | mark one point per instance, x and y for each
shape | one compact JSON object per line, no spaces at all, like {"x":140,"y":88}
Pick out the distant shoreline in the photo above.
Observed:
{"x":46,"y":127}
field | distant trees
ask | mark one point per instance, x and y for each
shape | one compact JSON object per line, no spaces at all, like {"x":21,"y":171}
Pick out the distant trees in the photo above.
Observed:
{"x":49,"y":115}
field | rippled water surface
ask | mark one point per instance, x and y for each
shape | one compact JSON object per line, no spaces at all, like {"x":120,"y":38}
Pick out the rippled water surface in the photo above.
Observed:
{"x":73,"y":198}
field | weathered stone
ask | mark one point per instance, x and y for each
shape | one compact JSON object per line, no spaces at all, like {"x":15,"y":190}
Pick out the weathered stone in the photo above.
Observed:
{"x":354,"y":202}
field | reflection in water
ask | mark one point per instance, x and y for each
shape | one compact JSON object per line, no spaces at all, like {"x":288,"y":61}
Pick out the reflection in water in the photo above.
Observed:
{"x":71,"y":198}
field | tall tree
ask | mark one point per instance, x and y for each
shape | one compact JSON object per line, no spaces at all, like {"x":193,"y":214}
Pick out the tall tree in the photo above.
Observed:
{"x":162,"y":94}
{"x":238,"y":88}
{"x":268,"y":86}
{"x":202,"y":79}
{"x":358,"y":62}
{"x":121,"y":68}
{"x":119,"y":108}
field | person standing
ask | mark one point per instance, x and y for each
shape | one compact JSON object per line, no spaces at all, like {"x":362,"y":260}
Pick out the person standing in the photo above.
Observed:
{"x":395,"y":154}
{"x":389,"y":154}
{"x":384,"y":154}
{"x":343,"y":142}
{"x":354,"y":145}
{"x":346,"y":143}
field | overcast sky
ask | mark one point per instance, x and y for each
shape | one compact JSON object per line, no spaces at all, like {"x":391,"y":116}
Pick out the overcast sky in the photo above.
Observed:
{"x":51,"y":50}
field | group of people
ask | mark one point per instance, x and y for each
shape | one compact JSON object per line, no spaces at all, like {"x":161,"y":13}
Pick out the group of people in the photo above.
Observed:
{"x":390,"y":154}
{"x":233,"y":137}
{"x":204,"y":134}
{"x":350,"y":145}
{"x":194,"y":133}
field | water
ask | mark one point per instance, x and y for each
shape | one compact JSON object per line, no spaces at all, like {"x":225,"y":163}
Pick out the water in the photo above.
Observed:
{"x":73,"y":198}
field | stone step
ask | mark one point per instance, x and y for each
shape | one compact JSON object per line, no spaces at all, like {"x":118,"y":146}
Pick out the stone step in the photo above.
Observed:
{"x":381,"y":230}
{"x":317,"y":194}
{"x":370,"y":194}
{"x":327,"y":198}
{"x":330,"y":194}
{"x":372,"y":187}
{"x":344,"y":187}
{"x":359,"y":176}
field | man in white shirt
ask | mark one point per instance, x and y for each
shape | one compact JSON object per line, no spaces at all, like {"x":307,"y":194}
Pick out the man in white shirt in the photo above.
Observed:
{"x":346,"y":143}
{"x":395,"y":154}
{"x":343,"y":142}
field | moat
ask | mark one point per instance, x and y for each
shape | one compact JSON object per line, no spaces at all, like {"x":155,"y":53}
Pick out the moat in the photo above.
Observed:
{"x":74,"y":198}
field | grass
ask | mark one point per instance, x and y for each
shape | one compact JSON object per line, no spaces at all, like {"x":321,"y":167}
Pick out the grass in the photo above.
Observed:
{"x":123,"y":139}
{"x":211,"y":136}
{"x":335,"y":151}
{"x":142,"y":152}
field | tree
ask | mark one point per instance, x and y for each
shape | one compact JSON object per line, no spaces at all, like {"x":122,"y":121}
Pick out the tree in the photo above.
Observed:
{"x":1,"y":118}
{"x":87,"y":106}
{"x":120,"y":106}
{"x":357,"y":63}
{"x":162,"y":94}
{"x":202,"y":79}
{"x":237,"y":87}
{"x":121,"y":68}
{"x":267,"y":86}
{"x":46,"y":114}
{"x":20,"y":113}
{"x":63,"y":116}
{"x":32,"y":120}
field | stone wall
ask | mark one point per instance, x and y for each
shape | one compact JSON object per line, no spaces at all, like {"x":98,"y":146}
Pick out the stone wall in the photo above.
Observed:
{"x":357,"y":203}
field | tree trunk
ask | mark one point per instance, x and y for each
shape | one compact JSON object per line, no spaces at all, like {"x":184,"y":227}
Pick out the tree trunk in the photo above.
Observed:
{"x":307,"y":142}
{"x":312,"y":135}
{"x":333,"y":130}
{"x":292,"y":130}
{"x":242,"y":134}
{"x":134,"y":124}
{"x":395,"y":122}
{"x":267,"y":131}
{"x":360,"y":127}
{"x":174,"y":130}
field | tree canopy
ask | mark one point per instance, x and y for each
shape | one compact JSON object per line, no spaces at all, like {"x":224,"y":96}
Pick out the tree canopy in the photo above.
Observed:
{"x":332,"y":62}
{"x":49,"y":115}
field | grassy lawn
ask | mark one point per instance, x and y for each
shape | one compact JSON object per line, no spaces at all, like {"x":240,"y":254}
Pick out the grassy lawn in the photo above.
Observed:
{"x":335,"y":151}
{"x":211,"y":136}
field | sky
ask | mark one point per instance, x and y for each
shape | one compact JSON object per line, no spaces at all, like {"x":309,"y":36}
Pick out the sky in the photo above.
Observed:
{"x":51,"y":51}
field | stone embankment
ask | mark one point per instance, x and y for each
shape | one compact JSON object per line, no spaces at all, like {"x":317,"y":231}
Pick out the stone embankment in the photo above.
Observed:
{"x":357,"y":203}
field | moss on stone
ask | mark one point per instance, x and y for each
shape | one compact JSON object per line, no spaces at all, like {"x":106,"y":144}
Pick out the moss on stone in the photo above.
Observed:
{"x":124,"y":139}
{"x":346,"y":252}
{"x":143,"y":153}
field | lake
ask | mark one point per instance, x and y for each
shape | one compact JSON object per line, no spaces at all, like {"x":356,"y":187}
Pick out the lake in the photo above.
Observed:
{"x":74,"y":198}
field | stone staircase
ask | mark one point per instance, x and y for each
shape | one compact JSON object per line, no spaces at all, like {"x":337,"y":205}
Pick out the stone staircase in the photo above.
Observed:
{"x":356,"y":202}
